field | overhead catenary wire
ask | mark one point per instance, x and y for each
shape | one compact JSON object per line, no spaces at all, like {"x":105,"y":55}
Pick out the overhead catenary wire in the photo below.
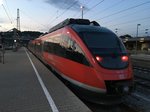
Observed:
{"x":7,"y":14}
{"x":88,"y":12}
{"x":133,"y":13}
{"x":77,"y":13}
{"x":135,"y":6}
{"x":31,"y":18}
{"x":94,"y":6}
{"x":53,"y":15}
{"x":131,"y":21}
{"x":135,"y":21}
{"x":8,"y":10}
{"x":113,"y":5}
{"x":63,"y":12}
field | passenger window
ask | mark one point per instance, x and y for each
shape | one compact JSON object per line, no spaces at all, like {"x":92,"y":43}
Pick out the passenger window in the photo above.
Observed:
{"x":67,"y":48}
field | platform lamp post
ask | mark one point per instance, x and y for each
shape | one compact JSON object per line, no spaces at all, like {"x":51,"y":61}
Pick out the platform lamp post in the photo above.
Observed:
{"x":136,"y":46}
{"x":82,"y":7}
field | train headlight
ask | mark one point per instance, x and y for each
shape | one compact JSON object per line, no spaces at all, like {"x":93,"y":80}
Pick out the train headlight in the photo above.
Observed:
{"x":124,"y":58}
{"x":99,"y":59}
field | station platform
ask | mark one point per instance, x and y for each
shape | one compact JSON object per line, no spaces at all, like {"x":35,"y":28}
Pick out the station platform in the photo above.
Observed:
{"x":26,"y":85}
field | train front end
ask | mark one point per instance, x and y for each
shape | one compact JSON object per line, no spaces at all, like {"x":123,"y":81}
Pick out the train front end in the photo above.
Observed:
{"x":111,"y":63}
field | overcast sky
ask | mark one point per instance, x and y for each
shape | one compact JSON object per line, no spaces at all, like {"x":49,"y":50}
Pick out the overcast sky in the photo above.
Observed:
{"x":40,"y":15}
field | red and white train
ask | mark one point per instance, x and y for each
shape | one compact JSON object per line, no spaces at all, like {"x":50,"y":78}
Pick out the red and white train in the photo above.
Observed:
{"x":90,"y":57}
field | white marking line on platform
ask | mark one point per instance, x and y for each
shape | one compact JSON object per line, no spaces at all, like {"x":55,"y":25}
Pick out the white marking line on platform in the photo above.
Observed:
{"x":48,"y":96}
{"x":137,"y":95}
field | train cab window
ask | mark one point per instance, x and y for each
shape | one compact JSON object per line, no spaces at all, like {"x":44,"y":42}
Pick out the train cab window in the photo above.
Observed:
{"x":107,"y":46}
{"x":104,"y":44}
{"x":108,"y":42}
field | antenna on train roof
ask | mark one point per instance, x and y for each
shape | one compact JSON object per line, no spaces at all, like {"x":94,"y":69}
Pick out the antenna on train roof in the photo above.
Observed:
{"x":73,"y":21}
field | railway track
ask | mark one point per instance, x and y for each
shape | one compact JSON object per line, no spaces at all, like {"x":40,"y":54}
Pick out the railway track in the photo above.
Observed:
{"x":141,"y":63}
{"x":114,"y":108}
{"x":141,"y":69}
{"x":142,"y":76}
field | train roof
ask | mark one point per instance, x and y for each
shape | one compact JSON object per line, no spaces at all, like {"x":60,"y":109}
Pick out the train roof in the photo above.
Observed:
{"x":70,"y":21}
{"x":91,"y":28}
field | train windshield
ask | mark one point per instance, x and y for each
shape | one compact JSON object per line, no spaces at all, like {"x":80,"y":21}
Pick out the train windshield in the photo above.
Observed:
{"x":107,"y":49}
{"x":102,"y":42}
{"x":105,"y":46}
